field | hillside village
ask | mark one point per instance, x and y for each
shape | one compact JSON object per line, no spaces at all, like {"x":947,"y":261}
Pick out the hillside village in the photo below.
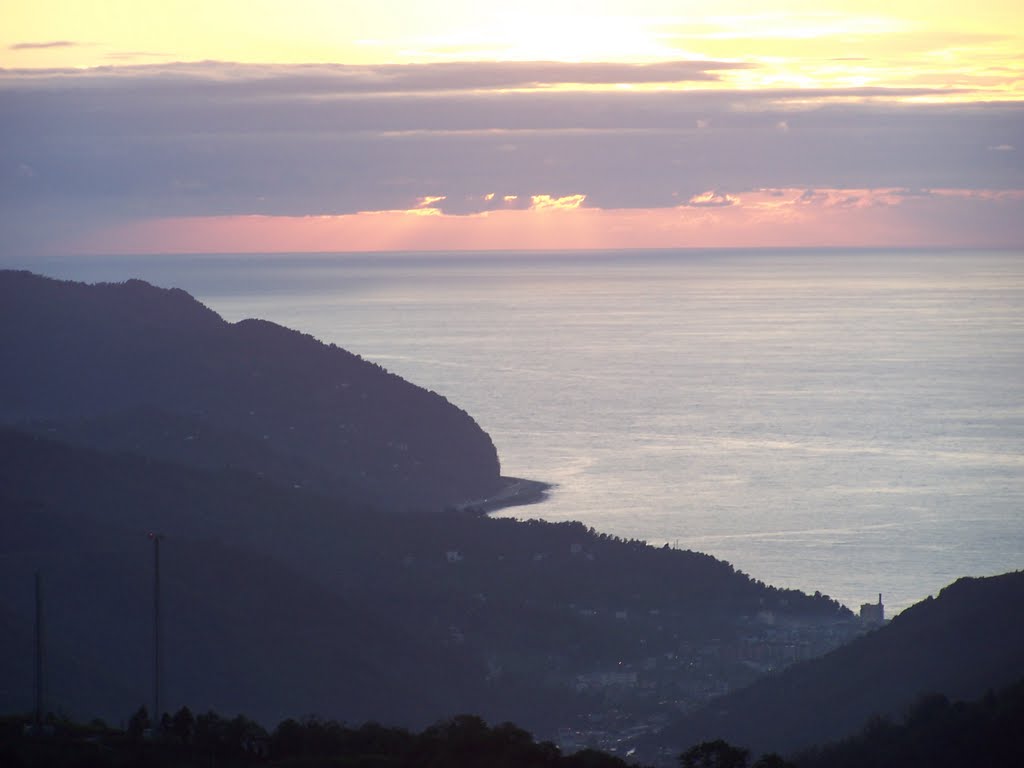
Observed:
{"x":667,"y":669}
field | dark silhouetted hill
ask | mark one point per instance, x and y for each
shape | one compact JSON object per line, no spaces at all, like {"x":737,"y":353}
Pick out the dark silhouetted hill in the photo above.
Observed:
{"x":243,"y":630}
{"x":281,"y":600}
{"x":132,"y":367}
{"x":289,"y":479}
{"x":960,"y":644}
{"x":935,"y":733}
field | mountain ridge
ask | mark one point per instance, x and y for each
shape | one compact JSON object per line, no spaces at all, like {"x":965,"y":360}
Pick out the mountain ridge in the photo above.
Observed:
{"x":504,"y":608}
{"x":256,"y":448}
{"x":291,"y":407}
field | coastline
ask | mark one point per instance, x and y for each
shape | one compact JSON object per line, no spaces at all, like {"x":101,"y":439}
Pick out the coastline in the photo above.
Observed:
{"x":514,"y":492}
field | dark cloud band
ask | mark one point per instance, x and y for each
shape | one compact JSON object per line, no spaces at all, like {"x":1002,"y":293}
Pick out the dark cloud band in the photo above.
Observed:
{"x":45,"y":45}
{"x":214,"y":139}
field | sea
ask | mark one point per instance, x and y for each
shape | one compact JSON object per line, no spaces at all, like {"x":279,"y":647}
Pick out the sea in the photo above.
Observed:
{"x":842,"y":421}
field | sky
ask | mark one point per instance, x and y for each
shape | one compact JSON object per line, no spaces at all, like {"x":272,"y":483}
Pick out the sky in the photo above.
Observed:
{"x":199,"y":126}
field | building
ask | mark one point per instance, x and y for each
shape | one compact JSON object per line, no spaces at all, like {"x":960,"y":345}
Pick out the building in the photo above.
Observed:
{"x":873,"y":615}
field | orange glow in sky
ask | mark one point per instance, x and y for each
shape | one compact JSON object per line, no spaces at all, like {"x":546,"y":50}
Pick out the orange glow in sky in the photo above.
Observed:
{"x":769,"y":218}
{"x":813,"y":55}
{"x":793,"y":42}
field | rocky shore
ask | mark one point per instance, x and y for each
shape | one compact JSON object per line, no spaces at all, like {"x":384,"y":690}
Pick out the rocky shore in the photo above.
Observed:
{"x":514,"y":492}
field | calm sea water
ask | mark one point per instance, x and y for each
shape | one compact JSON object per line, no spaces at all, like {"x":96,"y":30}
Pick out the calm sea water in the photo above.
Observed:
{"x":849,"y":422}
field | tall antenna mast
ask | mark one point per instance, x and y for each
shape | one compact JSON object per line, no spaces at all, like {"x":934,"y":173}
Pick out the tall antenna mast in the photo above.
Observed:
{"x":39,"y":680}
{"x":155,"y":721}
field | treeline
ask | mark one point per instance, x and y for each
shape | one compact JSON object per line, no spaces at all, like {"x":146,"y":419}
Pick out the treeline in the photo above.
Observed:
{"x":185,"y":740}
{"x":935,"y":733}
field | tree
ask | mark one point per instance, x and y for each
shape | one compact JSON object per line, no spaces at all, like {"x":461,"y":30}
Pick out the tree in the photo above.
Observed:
{"x":591,"y":758}
{"x":183,"y":724}
{"x":138,"y":723}
{"x":714,"y":754}
{"x":288,"y":738}
{"x":772,"y":760}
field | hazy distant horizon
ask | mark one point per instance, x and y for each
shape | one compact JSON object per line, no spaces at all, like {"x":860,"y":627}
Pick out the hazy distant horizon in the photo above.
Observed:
{"x":120,"y":265}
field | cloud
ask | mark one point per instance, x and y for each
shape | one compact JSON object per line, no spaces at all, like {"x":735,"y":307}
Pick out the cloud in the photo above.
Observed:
{"x":912,"y":193}
{"x":38,"y":46}
{"x":846,"y":198}
{"x":549,"y":203}
{"x":429,"y":201}
{"x":469,"y":204}
{"x":811,"y":197}
{"x":711,"y":199}
{"x":207,"y":139}
{"x":428,"y":206}
{"x":945,"y":219}
{"x":339,"y":79}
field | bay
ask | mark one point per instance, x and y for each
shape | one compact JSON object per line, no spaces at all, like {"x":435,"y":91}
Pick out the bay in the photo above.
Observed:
{"x":844,"y":421}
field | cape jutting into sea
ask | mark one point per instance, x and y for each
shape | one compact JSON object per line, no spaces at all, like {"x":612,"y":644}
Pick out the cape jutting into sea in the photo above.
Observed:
{"x":844,"y":421}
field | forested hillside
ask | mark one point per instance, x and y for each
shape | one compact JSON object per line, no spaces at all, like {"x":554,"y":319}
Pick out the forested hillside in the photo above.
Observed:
{"x":318,"y":553}
{"x":959,"y":644}
{"x":132,"y":367}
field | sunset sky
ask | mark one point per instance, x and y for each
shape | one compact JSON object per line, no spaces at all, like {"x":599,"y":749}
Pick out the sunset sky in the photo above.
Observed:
{"x":260,"y":125}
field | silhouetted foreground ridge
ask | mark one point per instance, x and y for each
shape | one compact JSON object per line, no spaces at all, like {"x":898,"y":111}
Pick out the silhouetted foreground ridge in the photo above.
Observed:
{"x":189,"y":741}
{"x":935,"y":733}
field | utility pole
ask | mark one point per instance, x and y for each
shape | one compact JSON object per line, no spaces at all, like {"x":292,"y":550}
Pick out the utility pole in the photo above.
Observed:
{"x":155,"y":716}
{"x":39,"y":680}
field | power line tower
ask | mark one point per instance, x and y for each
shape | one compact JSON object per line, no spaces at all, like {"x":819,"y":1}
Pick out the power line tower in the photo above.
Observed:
{"x":40,"y":680}
{"x":157,"y":659}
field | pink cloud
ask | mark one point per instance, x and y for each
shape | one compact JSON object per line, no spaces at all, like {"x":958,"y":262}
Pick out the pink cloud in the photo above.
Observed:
{"x":712,"y":199}
{"x":549,"y":203}
{"x":769,"y":217}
